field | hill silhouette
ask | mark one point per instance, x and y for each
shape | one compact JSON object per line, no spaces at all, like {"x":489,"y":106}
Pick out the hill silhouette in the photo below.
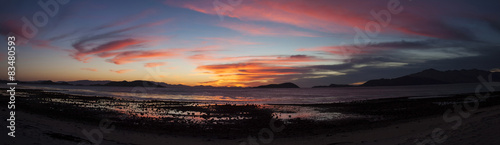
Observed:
{"x":334,"y":86}
{"x":283,"y":85}
{"x":433,"y":76}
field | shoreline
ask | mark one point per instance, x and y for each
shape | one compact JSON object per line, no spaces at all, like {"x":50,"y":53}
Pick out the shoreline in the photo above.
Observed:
{"x":225,"y":122}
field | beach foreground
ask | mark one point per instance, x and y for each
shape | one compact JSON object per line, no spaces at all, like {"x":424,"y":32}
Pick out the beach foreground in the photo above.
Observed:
{"x":56,"y":118}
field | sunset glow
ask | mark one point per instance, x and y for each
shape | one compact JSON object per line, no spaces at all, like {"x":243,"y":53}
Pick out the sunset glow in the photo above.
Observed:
{"x":253,"y":42}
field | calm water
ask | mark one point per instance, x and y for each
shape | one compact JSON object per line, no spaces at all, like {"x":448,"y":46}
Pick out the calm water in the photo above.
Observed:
{"x":264,"y":96}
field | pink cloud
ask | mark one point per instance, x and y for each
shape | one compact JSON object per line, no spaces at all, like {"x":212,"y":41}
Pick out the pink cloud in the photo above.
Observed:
{"x":103,"y":50}
{"x":338,"y":16}
{"x":89,"y":69}
{"x":10,"y":26}
{"x":155,"y":64}
{"x":89,"y":46}
{"x":338,"y":50}
{"x":134,"y":56}
{"x":318,"y":15}
{"x":269,"y":59}
{"x":122,"y":71}
{"x":230,"y":41}
{"x":264,"y":30}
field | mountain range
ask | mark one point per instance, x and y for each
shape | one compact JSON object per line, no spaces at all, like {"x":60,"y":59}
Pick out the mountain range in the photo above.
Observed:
{"x":432,"y":76}
{"x":429,"y":77}
{"x":425,"y":77}
{"x":283,"y":85}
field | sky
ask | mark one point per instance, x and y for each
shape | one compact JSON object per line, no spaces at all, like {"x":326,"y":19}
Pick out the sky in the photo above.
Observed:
{"x":248,"y":42}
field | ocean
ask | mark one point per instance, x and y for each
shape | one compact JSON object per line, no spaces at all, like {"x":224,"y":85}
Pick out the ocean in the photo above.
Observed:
{"x":263,"y":95}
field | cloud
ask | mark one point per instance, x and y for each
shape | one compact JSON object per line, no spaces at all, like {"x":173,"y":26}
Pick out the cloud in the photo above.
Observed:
{"x":269,"y":59}
{"x":43,"y":44}
{"x":104,"y":49}
{"x":260,"y":30}
{"x":400,"y":59}
{"x":80,"y":44}
{"x":10,"y":26}
{"x":155,"y":64}
{"x":107,"y":44}
{"x":128,"y":19}
{"x":229,"y":41}
{"x":258,"y":70}
{"x":245,"y":74}
{"x":303,"y":14}
{"x":89,"y":69}
{"x":419,"y":18}
{"x":208,"y":57}
{"x":134,"y":56}
{"x":423,"y":26}
{"x":374,"y":47}
{"x":404,"y":50}
{"x":122,"y":71}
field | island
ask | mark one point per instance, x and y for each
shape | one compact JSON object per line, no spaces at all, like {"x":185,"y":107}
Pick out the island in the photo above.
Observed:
{"x":283,"y":85}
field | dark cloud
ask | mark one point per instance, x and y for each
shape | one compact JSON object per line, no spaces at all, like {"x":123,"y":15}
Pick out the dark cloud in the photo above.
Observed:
{"x":485,"y":58}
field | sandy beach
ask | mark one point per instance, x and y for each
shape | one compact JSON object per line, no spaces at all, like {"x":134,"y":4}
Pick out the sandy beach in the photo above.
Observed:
{"x":56,"y":118}
{"x":481,"y":128}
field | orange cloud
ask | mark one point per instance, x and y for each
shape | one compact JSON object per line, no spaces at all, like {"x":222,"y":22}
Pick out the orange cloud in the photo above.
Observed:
{"x":270,"y":59}
{"x":154,"y":64}
{"x":207,"y":57}
{"x":122,"y":71}
{"x":245,"y":74}
{"x":255,"y":70}
{"x":89,"y":69}
{"x":289,"y":60}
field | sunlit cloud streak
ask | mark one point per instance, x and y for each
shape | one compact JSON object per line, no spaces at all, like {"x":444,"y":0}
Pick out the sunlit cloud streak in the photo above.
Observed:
{"x":135,"y":56}
{"x":155,"y":64}
{"x":90,"y":69}
{"x":229,"y":41}
{"x":260,"y":30}
{"x":339,"y":16}
{"x":82,"y":49}
{"x":122,"y":71}
{"x":255,"y":70}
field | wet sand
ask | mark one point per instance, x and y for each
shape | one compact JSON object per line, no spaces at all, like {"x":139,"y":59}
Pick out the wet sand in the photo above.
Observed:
{"x":55,"y":118}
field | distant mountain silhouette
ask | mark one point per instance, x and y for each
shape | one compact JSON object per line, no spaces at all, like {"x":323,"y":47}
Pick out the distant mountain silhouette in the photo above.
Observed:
{"x":425,"y":77}
{"x":432,"y":76}
{"x":283,"y":85}
{"x":88,"y":82}
{"x":104,"y":83}
{"x":46,"y":82}
{"x":334,"y":86}
{"x":133,"y":84}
